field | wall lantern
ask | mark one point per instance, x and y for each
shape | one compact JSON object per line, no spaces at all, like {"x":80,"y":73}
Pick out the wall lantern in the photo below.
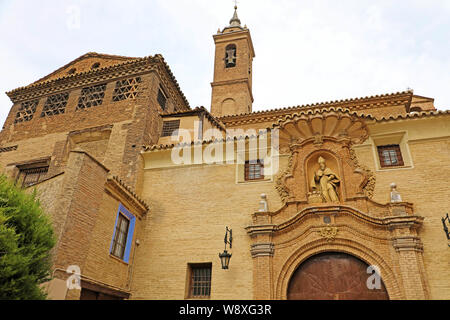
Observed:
{"x":225,"y":256}
{"x":445,"y":222}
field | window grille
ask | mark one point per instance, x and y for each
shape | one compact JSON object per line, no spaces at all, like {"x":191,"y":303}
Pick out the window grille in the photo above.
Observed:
{"x":31,"y":176}
{"x":390,"y":156}
{"x":120,"y":238}
{"x":169,"y":127}
{"x":200,"y":281}
{"x":254,"y":170}
{"x":55,"y":104}
{"x":8,"y":149}
{"x":26,"y":111}
{"x":91,"y":97}
{"x":126,"y":89}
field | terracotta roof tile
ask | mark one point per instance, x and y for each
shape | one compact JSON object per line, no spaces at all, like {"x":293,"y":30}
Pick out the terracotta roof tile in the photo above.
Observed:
{"x":361,"y":101}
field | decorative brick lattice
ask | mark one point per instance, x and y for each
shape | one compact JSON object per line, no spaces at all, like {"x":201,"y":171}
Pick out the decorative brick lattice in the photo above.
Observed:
{"x":26,"y":111}
{"x":55,"y":105}
{"x":126,"y":89}
{"x":91,"y":97}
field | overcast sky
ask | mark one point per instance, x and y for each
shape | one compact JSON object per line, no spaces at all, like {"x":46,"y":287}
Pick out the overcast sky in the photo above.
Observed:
{"x":307,"y":51}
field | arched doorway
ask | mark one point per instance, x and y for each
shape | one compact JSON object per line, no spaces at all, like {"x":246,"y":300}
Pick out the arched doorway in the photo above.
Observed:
{"x":333,"y":276}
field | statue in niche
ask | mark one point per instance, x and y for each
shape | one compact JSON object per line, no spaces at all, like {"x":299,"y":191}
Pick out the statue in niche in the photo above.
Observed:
{"x":325,"y":183}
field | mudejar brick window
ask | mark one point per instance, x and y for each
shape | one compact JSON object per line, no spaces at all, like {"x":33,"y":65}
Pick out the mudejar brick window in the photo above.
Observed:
{"x":126,"y":89}
{"x":26,"y":111}
{"x":55,"y":105}
{"x":199,"y":281}
{"x":91,"y":96}
{"x":390,"y":156}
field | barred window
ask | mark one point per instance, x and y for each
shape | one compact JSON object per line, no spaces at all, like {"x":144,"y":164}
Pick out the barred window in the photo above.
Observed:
{"x":120,"y":237}
{"x":390,"y":156}
{"x":91,"y":96}
{"x":55,"y":105}
{"x":30,"y":176}
{"x":126,"y":89}
{"x":8,"y":149}
{"x":26,"y":111}
{"x":254,"y":170}
{"x":200,"y":281}
{"x":169,"y":127}
{"x":162,"y":100}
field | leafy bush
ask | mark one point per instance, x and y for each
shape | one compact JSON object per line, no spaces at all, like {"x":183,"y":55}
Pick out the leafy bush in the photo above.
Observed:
{"x":26,"y":239}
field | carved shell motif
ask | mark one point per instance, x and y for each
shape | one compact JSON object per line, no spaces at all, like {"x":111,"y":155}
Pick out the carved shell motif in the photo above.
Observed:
{"x":315,"y":125}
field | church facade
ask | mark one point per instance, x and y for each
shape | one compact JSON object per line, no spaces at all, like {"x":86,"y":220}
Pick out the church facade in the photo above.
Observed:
{"x":335,"y":200}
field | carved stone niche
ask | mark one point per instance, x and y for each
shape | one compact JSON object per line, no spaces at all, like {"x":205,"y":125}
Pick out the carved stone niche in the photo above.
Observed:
{"x":323,"y":178}
{"x":323,"y":138}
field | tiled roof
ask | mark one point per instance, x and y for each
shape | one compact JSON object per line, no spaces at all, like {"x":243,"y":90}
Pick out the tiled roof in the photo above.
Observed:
{"x":210,"y":117}
{"x":129,"y":190}
{"x":194,"y":143}
{"x":354,"y":103}
{"x":86,"y":56}
{"x":44,"y":82}
{"x":413,"y":115}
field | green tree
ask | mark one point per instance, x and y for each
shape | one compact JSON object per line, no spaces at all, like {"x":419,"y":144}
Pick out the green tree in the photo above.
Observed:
{"x":26,"y":239}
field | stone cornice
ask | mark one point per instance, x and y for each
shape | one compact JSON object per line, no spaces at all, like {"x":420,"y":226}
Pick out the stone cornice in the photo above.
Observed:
{"x":390,"y":223}
{"x":235,"y":81}
{"x":262,"y":250}
{"x":409,"y":243}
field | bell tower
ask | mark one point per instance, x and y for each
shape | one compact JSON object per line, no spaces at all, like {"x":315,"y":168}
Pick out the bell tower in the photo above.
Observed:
{"x":232,"y":86}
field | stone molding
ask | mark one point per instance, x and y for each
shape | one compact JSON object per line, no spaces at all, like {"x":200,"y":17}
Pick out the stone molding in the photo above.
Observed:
{"x":262,"y":250}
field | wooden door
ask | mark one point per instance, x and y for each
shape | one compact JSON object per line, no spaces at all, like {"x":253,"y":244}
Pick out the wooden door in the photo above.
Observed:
{"x":333,"y":276}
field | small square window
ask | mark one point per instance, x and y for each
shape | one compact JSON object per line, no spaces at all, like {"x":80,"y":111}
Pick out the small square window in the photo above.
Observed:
{"x":200,"y":281}
{"x":254,"y":170}
{"x":390,"y":156}
{"x":169,"y":127}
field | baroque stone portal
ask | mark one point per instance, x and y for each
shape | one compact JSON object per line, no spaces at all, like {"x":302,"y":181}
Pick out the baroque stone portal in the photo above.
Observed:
{"x":325,"y":182}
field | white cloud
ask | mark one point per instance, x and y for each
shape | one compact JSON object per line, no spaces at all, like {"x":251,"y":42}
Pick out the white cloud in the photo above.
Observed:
{"x":306,"y":51}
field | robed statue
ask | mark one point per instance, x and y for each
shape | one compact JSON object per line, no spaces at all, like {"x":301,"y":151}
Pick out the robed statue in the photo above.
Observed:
{"x":326,"y":182}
